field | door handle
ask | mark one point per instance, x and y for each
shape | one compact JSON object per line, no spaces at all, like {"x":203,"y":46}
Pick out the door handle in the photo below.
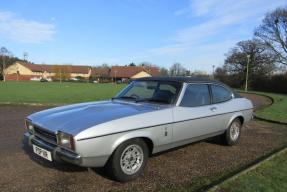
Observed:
{"x":213,"y":109}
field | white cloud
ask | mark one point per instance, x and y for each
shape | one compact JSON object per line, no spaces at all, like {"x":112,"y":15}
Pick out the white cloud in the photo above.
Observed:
{"x":25,"y":31}
{"x":216,"y":25}
{"x":218,"y":16}
{"x":196,"y":7}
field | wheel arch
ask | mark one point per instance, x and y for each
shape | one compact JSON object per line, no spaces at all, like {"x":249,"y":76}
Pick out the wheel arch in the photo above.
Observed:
{"x":145,"y":136}
{"x":239,"y":116}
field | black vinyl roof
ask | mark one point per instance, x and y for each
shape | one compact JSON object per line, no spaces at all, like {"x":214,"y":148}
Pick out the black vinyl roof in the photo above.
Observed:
{"x":179,"y":79}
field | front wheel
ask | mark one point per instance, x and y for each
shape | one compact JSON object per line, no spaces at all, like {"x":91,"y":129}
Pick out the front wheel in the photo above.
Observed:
{"x":232,"y":134}
{"x":129,"y":160}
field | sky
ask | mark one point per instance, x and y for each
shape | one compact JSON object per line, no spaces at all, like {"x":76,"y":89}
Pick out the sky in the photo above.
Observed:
{"x":195,"y":33}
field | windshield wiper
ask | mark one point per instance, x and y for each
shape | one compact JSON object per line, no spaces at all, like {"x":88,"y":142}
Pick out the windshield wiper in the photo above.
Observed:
{"x":124,"y":97}
{"x":152,"y":100}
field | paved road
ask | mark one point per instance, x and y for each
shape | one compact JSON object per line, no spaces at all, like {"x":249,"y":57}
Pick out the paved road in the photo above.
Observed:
{"x":21,"y":170}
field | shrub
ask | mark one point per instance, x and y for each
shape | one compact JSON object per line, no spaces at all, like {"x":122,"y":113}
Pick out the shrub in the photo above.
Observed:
{"x":275,"y":83}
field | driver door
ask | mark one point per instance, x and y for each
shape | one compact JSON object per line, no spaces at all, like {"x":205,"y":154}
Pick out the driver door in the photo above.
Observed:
{"x":195,"y":117}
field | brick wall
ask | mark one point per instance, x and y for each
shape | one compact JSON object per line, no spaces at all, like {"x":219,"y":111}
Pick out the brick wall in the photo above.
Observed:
{"x":13,"y":77}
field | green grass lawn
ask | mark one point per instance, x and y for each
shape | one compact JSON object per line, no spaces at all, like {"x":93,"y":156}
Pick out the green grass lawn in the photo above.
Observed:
{"x":65,"y":93}
{"x":277,"y":111}
{"x":269,"y":176}
{"x":56,"y":93}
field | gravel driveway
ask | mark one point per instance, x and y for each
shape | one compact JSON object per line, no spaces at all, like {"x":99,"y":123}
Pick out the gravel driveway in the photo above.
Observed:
{"x":258,"y":101}
{"x":194,"y":165}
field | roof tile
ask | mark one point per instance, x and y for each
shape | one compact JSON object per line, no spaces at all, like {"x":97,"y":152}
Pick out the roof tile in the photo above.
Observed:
{"x":129,"y":71}
{"x":51,"y":68}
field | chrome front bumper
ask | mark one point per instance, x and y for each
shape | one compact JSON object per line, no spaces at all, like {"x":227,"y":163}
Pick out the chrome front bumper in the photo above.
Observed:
{"x":57,"y":152}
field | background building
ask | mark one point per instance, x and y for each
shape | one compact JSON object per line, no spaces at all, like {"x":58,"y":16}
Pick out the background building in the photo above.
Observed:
{"x":125,"y":73}
{"x":23,"y":71}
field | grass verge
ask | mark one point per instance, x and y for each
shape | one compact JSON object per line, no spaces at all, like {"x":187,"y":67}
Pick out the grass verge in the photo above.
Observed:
{"x":277,"y":111}
{"x":269,"y":176}
{"x":55,"y":93}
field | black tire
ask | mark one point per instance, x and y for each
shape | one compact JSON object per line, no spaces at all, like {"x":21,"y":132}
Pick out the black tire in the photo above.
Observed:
{"x":228,"y":136}
{"x":114,"y":164}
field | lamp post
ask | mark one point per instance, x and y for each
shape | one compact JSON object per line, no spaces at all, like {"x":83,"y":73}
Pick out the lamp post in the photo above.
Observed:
{"x":213,"y":66}
{"x":60,"y":75}
{"x":247,"y":71}
{"x":3,"y":67}
{"x":116,"y":77}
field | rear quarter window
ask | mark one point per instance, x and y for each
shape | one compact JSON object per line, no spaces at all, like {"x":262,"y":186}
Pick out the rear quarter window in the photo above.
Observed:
{"x":220,"y":94}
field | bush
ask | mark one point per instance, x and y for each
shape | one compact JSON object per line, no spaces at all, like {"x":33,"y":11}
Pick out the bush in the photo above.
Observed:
{"x":234,"y":81}
{"x":275,"y":84}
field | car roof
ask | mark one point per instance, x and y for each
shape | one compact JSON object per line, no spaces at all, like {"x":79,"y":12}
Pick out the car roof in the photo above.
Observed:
{"x":188,"y":80}
{"x":179,"y":79}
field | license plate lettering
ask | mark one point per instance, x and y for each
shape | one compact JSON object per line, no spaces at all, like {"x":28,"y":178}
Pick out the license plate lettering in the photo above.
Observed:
{"x":45,"y":154}
{"x":42,"y":152}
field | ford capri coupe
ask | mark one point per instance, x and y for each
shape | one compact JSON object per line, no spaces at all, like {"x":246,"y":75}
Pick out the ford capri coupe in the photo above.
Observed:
{"x":150,"y":115}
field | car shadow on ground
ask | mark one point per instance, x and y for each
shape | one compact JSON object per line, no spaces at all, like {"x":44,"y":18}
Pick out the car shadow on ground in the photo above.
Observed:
{"x":101,"y":171}
{"x":216,"y":140}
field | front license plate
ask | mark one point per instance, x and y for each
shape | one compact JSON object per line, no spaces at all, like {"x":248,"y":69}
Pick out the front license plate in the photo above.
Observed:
{"x":42,"y":152}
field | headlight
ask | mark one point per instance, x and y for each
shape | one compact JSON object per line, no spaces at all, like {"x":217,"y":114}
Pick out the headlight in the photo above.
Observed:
{"x":65,"y":140}
{"x":29,"y":126}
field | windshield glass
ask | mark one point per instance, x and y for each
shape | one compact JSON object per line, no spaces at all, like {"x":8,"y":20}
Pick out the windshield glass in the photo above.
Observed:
{"x":151,"y":91}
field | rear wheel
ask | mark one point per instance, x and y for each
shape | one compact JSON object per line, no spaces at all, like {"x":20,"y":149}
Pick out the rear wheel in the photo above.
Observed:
{"x":232,"y":134}
{"x":129,"y":160}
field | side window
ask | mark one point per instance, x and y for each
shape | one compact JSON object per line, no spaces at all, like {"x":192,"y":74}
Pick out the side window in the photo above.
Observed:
{"x":195,"y":95}
{"x":220,"y":94}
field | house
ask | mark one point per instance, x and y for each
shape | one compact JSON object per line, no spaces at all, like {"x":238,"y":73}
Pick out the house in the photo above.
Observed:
{"x":101,"y":74}
{"x":24,"y":71}
{"x":124,"y":73}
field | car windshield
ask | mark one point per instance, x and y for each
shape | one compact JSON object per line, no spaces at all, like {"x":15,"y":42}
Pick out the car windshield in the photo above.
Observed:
{"x":151,"y":91}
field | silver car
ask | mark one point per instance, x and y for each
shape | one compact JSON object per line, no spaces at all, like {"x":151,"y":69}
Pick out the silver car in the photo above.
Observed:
{"x":150,"y":115}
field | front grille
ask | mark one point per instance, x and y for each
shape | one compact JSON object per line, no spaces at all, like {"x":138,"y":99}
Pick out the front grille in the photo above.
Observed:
{"x":45,"y":135}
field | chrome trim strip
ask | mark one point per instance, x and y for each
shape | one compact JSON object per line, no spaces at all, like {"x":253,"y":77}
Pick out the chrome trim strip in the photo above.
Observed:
{"x":56,"y":151}
{"x":161,"y":124}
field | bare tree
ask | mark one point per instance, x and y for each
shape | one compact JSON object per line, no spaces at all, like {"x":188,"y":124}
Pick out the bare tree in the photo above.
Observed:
{"x":132,"y":64}
{"x":6,"y":59}
{"x":273,"y":32}
{"x":146,"y":64}
{"x":62,"y":72}
{"x":4,"y":53}
{"x":105,"y":65}
{"x":177,"y":70}
{"x":261,"y":60}
{"x":220,"y":73}
{"x":163,"y":71}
